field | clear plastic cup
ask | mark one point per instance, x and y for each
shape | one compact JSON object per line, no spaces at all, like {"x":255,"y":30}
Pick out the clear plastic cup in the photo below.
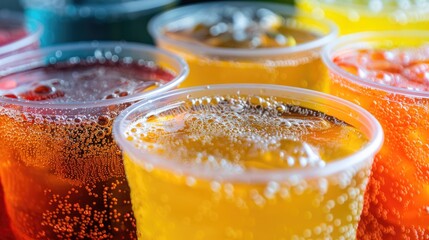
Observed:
{"x":16,"y":34}
{"x":298,"y":65}
{"x":353,"y":16}
{"x":397,"y":198}
{"x":87,"y":20}
{"x":62,"y":173}
{"x":196,"y":201}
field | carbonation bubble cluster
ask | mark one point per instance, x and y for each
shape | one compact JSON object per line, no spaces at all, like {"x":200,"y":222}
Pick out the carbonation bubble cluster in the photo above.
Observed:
{"x":406,"y":68}
{"x":241,"y":27}
{"x":234,"y":136}
{"x":62,"y":173}
{"x":246,"y":133}
{"x":396,"y":197}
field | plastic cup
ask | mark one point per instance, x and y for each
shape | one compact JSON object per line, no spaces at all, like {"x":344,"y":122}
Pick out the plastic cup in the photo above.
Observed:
{"x":87,"y":20}
{"x":16,"y":34}
{"x":357,"y":16}
{"x":298,"y":66}
{"x":62,"y":173}
{"x":191,"y":201}
{"x":397,"y":197}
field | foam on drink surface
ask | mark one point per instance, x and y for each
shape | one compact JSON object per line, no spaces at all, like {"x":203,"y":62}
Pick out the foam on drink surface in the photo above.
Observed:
{"x":83,"y":82}
{"x":238,"y":133}
{"x":241,"y":27}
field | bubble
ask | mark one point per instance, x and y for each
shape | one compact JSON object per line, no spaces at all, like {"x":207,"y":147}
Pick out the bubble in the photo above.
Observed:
{"x":215,"y":186}
{"x":190,"y":181}
{"x":43,"y":89}
{"x":271,"y":189}
{"x":103,"y":120}
{"x":237,"y":108}
{"x":10,"y":96}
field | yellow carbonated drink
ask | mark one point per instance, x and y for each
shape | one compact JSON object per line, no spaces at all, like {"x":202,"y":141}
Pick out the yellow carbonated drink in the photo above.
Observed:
{"x":365,"y":15}
{"x":246,"y":42}
{"x":246,"y":162}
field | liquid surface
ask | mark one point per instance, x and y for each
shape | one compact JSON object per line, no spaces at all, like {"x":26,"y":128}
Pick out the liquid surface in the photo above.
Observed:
{"x":240,"y":133}
{"x":406,"y":68}
{"x":83,"y":82}
{"x":247,"y":27}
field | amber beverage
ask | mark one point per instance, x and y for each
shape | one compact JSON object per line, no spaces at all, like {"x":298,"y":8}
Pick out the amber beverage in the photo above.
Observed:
{"x":388,"y":74}
{"x":62,"y":173}
{"x":15,"y":35}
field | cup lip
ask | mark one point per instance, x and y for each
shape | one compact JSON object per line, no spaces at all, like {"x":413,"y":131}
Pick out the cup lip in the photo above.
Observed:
{"x":363,"y":7}
{"x":112,"y":8}
{"x":181,"y":75}
{"x":347,"y":40}
{"x":155,"y":29}
{"x":28,"y":39}
{"x":156,"y":161}
{"x":129,"y":6}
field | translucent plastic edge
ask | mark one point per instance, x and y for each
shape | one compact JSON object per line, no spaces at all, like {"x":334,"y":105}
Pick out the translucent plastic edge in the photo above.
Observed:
{"x":129,"y":7}
{"x":155,"y":27}
{"x":364,"y":8}
{"x":29,"y":39}
{"x":348,"y":40}
{"x":117,"y":8}
{"x":366,"y":154}
{"x":181,"y":75}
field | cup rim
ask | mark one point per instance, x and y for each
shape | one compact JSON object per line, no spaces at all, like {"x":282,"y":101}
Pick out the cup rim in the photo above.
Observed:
{"x":112,"y":8}
{"x":28,"y":39}
{"x":155,"y":161}
{"x":363,"y":7}
{"x":155,"y":27}
{"x":128,"y":7}
{"x":348,"y":40}
{"x":181,"y":75}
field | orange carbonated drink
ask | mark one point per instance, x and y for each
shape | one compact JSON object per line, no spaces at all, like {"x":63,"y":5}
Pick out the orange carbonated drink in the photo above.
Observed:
{"x":62,"y":173}
{"x":247,"y":162}
{"x":388,"y":74}
{"x":368,"y":15}
{"x":245,"y":42}
{"x":15,"y":35}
